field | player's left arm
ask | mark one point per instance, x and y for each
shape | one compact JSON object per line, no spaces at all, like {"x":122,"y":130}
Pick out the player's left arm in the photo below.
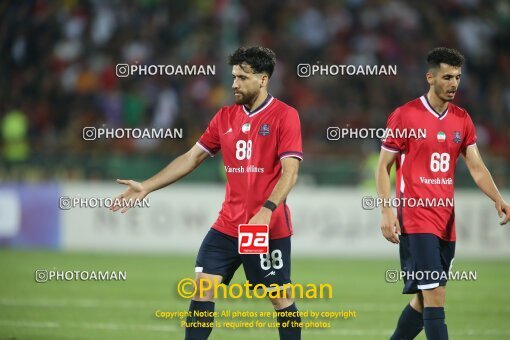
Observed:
{"x":290,"y":168}
{"x":484,"y":181}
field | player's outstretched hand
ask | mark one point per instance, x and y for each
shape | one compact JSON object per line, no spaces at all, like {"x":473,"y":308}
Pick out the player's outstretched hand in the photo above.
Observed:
{"x":503,"y":211}
{"x":390,"y":226}
{"x":135,"y":191}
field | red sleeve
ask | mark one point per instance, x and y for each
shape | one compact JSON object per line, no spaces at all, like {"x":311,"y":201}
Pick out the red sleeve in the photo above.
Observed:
{"x":210,"y":140}
{"x":289,"y":136}
{"x":470,"y":138}
{"x":391,"y":143}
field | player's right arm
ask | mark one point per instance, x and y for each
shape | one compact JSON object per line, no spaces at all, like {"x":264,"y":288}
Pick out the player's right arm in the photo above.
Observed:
{"x":484,"y":181}
{"x":390,"y":148}
{"x":390,"y":226}
{"x":177,"y":169}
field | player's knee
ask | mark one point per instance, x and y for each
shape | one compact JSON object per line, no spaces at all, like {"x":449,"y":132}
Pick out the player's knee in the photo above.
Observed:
{"x":281,"y":302}
{"x":417,"y":302}
{"x":205,"y":286}
{"x":204,"y":296}
{"x":434,"y":297}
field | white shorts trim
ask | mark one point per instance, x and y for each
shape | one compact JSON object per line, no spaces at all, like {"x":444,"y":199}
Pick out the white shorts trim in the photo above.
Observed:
{"x":429,"y":286}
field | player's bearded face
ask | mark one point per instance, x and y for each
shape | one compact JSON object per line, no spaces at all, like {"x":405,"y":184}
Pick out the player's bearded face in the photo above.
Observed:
{"x":246,"y":84}
{"x":446,"y":81}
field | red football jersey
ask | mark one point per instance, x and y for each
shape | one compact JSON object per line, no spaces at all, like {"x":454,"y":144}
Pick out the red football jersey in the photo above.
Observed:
{"x":253,"y":143}
{"x":426,"y":166}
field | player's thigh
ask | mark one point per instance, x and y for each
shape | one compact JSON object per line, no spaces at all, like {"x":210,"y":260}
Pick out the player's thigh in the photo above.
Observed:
{"x":206,"y":285}
{"x":424,"y":261}
{"x":218,"y":256}
{"x":434,"y":297}
{"x":447,"y":251}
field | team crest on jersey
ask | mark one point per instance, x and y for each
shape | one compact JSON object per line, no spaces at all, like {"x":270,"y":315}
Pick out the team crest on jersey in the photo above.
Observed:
{"x":264,"y":130}
{"x":456,"y":137}
{"x":246,"y":128}
{"x":441,"y":137}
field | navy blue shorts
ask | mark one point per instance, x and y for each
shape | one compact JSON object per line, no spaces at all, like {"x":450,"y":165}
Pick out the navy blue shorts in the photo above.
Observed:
{"x":219,"y":255}
{"x":425,"y":260}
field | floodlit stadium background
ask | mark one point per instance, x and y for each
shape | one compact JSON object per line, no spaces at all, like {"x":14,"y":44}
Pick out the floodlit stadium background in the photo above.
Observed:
{"x":57,"y":66}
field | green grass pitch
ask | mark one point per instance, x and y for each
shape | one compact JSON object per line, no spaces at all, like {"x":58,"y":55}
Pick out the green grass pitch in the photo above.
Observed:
{"x":126,"y":309}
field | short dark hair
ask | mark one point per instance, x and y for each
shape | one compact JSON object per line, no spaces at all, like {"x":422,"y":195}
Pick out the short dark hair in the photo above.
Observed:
{"x":444,"y":55}
{"x":261,"y":59}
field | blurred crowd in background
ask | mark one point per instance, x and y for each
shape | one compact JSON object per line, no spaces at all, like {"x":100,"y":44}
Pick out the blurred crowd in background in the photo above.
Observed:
{"x":57,"y":66}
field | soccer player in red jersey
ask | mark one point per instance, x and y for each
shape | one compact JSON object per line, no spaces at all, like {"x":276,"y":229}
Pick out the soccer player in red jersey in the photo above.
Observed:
{"x":425,"y":169}
{"x":260,"y":139}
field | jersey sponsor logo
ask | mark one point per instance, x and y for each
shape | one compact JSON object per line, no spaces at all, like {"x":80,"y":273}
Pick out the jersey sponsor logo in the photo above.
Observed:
{"x":242,"y":169}
{"x":264,"y":130}
{"x":246,"y":128}
{"x":253,"y":239}
{"x":456,"y":137}
{"x":441,"y":137}
{"x":437,"y":180}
